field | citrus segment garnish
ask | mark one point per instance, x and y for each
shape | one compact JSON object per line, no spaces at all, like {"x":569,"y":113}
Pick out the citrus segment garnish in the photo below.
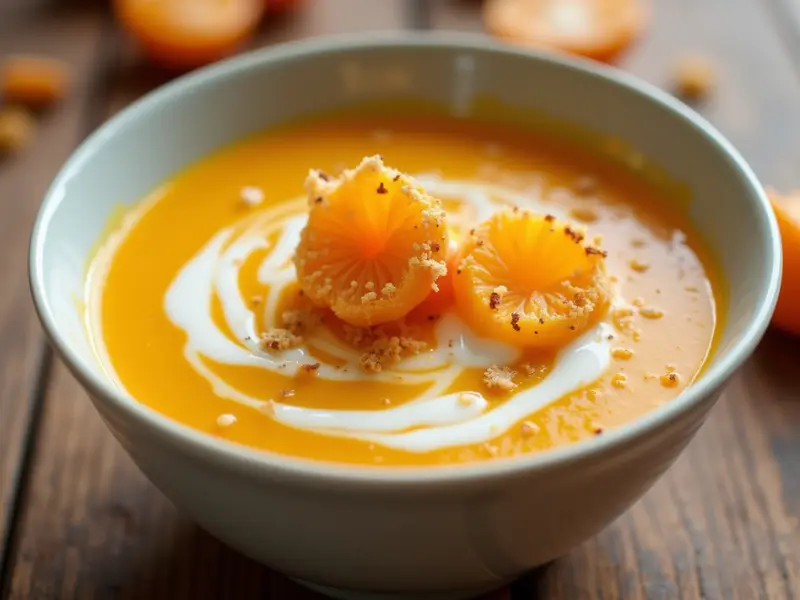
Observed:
{"x":374,"y":245}
{"x":787,"y":311}
{"x":529,"y":280}
{"x":598,"y":29}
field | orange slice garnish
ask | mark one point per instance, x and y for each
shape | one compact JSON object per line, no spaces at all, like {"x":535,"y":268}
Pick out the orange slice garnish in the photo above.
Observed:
{"x":374,"y":245}
{"x":787,"y":210}
{"x":529,"y":280}
{"x":598,"y":29}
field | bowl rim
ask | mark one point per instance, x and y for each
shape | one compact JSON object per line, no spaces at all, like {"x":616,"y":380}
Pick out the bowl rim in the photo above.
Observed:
{"x":265,"y":463}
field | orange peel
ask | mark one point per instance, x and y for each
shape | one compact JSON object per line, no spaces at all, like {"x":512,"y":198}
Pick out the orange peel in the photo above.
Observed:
{"x":787,"y":211}
{"x":597,"y":29}
{"x":374,"y":245}
{"x":530,"y":280}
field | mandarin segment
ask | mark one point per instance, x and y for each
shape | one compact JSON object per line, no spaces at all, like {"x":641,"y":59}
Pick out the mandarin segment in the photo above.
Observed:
{"x":787,"y":210}
{"x":529,"y":280}
{"x":374,"y":246}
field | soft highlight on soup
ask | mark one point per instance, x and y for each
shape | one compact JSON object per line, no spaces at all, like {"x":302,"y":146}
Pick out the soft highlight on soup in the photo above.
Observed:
{"x":195,"y":309}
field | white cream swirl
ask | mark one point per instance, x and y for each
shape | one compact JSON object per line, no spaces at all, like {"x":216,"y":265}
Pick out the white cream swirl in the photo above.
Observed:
{"x":433,"y":421}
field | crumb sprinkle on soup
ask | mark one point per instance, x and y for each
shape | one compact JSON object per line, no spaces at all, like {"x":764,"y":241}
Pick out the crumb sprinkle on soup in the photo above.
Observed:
{"x":428,"y":305}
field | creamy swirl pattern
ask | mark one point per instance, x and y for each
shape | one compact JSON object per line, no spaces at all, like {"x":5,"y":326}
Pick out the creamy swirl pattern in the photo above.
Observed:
{"x":433,"y":421}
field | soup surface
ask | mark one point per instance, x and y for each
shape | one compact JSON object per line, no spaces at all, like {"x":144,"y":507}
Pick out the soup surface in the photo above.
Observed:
{"x":186,"y":293}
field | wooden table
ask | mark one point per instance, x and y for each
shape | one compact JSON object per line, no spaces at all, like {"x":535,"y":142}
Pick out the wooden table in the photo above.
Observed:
{"x":77,"y":520}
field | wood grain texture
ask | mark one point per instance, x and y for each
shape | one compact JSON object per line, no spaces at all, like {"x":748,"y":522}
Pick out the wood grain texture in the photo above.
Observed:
{"x":24,"y":177}
{"x":723,"y":523}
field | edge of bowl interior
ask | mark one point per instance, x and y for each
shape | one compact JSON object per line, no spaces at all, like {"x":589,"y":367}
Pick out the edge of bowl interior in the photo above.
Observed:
{"x":262,"y":463}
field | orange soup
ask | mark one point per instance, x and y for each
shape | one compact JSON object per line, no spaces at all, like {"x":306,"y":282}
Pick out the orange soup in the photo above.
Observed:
{"x":491,"y":293}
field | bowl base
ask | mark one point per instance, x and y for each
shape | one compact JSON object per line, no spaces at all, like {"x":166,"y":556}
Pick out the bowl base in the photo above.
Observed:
{"x":341,"y":594}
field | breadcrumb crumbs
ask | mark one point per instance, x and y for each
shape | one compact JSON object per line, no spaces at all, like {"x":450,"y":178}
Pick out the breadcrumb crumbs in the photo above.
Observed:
{"x":638,"y":265}
{"x":501,"y":378}
{"x":651,"y":312}
{"x":532,"y":369}
{"x":619,"y":380}
{"x":280,"y":339}
{"x":670,"y":380}
{"x":591,"y":250}
{"x":299,"y":320}
{"x":268,"y":408}
{"x":494,"y":300}
{"x":226,"y":420}
{"x":387,"y":351}
{"x":622,"y":353}
{"x":308,"y":369}
{"x":251,"y":195}
{"x":695,"y":77}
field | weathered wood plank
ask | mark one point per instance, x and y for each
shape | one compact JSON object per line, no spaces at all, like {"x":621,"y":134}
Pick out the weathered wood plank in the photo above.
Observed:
{"x":24,"y":177}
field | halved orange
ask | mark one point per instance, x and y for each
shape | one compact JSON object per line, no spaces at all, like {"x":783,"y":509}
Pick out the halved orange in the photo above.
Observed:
{"x":185,"y":34}
{"x":374,"y":245}
{"x":530,"y":280}
{"x":598,"y":29}
{"x":787,"y":210}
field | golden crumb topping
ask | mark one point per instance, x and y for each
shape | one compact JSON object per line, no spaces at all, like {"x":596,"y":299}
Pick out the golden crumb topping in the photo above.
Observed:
{"x":276,"y":340}
{"x":501,"y":378}
{"x":388,"y":351}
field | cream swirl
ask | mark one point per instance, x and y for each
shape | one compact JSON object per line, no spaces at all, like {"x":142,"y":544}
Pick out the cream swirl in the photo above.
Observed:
{"x":436,"y":419}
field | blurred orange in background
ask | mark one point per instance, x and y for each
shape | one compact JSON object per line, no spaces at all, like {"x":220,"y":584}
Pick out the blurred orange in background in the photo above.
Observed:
{"x":189,"y":33}
{"x":787,"y":210}
{"x":598,"y":29}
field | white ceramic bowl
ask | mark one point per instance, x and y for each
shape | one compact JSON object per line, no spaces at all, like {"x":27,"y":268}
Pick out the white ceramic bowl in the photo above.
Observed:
{"x":445,"y":532}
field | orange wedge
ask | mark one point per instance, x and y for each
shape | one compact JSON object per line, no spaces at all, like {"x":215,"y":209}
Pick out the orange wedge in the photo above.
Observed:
{"x":598,"y":29}
{"x":787,"y":210}
{"x":529,"y":280}
{"x":374,"y":245}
